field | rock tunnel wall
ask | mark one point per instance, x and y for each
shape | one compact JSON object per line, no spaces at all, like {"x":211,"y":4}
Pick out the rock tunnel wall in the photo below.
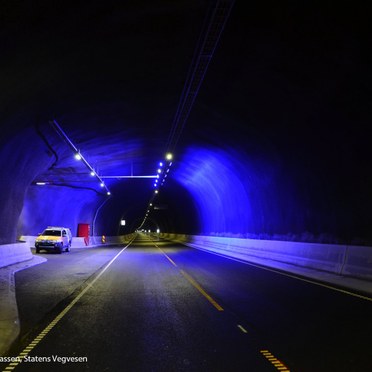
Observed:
{"x":21,"y":158}
{"x":214,"y":190}
{"x":26,"y":209}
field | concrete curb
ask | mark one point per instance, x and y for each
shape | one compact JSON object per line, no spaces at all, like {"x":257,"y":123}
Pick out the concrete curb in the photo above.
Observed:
{"x":14,"y":253}
{"x":9,"y":322}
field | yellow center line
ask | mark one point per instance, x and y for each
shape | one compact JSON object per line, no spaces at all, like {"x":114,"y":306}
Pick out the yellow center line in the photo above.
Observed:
{"x":193,"y":282}
{"x":201,"y":290}
{"x":280,"y":366}
{"x":169,"y":259}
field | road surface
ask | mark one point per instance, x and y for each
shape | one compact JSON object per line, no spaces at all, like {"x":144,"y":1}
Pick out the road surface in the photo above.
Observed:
{"x":159,"y":306}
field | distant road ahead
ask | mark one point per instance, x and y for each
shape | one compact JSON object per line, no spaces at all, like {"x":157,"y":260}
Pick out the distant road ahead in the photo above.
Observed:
{"x":157,"y":306}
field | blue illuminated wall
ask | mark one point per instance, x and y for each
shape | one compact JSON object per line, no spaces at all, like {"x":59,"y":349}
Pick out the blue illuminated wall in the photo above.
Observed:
{"x":22,"y":155}
{"x":26,"y":209}
{"x":56,"y":206}
{"x":244,"y":194}
{"x":215,"y":179}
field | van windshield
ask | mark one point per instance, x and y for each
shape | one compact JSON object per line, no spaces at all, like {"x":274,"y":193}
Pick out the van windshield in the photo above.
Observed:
{"x":52,"y":232}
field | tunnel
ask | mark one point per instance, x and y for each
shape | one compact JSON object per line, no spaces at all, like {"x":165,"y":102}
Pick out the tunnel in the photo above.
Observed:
{"x":185,"y":186}
{"x":274,"y":145}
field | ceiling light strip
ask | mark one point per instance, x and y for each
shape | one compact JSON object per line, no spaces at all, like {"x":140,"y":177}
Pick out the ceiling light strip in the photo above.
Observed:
{"x":76,"y":151}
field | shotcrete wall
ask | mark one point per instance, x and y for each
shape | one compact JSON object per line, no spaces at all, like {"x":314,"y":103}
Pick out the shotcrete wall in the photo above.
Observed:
{"x":22,"y":157}
{"x":26,"y":209}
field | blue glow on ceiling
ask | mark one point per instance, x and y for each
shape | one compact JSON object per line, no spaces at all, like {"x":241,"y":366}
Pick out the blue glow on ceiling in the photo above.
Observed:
{"x":215,"y":179}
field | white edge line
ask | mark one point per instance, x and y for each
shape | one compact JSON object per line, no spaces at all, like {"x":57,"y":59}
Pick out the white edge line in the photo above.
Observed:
{"x":62,"y":313}
{"x":285,"y":274}
{"x":242,"y":328}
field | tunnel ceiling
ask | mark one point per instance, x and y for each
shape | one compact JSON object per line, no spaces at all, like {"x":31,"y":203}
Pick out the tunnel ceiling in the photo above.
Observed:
{"x":288,"y":84}
{"x":109,"y":73}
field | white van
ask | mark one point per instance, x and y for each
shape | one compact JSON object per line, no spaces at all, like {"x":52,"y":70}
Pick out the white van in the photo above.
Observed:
{"x":54,"y":238}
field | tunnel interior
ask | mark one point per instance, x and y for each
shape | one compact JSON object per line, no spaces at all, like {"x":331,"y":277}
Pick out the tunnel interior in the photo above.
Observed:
{"x":275,"y":146}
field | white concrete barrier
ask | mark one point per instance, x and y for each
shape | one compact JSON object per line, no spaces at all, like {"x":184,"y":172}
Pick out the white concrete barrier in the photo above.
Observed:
{"x":77,"y":242}
{"x":110,"y":240}
{"x":358,"y":262}
{"x":14,"y":253}
{"x":354,"y":261}
{"x":18,"y":252}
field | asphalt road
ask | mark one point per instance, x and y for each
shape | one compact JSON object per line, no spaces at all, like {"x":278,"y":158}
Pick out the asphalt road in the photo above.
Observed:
{"x":157,"y":306}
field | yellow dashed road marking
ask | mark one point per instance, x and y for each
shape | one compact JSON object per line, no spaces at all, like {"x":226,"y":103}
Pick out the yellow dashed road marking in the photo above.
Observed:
{"x":193,"y":282}
{"x":280,"y":366}
{"x":201,"y":290}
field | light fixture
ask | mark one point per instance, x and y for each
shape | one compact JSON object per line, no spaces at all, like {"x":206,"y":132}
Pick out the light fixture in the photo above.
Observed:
{"x":169,"y":156}
{"x":77,"y":153}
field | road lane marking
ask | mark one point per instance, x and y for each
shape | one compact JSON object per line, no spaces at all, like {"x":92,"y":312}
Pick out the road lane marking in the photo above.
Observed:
{"x":50,"y":326}
{"x":193,"y":282}
{"x":242,"y":328}
{"x":279,"y":365}
{"x":169,"y":259}
{"x":201,"y":290}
